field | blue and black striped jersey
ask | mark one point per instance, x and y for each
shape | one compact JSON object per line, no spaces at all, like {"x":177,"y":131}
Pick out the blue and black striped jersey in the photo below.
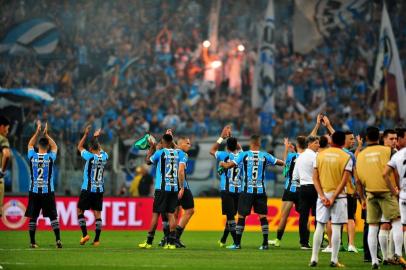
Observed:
{"x":230,"y":179}
{"x":93,"y":179}
{"x":254,"y":164}
{"x":41,"y":167}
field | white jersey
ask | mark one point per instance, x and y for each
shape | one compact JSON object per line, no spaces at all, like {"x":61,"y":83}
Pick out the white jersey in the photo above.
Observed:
{"x":398,"y":162}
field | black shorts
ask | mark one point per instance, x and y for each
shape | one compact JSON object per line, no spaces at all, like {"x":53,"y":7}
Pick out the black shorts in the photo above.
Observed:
{"x":187,"y":201}
{"x":165,"y":201}
{"x":248,"y":201}
{"x":90,"y":200}
{"x":289,"y":196}
{"x":351,"y":206}
{"x":44,"y":202}
{"x":229,"y":203}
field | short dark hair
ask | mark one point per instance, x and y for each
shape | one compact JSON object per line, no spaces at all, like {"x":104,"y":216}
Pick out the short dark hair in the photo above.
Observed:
{"x":323,"y":141}
{"x":255,"y":137}
{"x":167,"y":138}
{"x":232,"y":144}
{"x":401,"y":132}
{"x":372,"y":134}
{"x":348,"y":132}
{"x":4,"y":121}
{"x":43,"y":142}
{"x":386,"y":132}
{"x":301,"y":142}
{"x":338,"y":138}
{"x":311,"y":139}
{"x":94,"y":144}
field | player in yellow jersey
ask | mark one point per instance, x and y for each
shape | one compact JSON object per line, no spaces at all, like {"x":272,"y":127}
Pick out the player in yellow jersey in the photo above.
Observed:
{"x":332,"y":171}
{"x":381,"y":194}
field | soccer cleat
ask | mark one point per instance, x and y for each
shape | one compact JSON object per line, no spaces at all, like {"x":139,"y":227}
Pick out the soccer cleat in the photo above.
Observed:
{"x":145,"y":245}
{"x":233,"y":246}
{"x":327,"y":250}
{"x":352,"y":248}
{"x":313,"y":264}
{"x":179,"y":244}
{"x":305,"y":247}
{"x":337,"y":265}
{"x":264,"y":247}
{"x":169,"y":246}
{"x":83,"y":240}
{"x":34,"y":245}
{"x":399,"y":260}
{"x":59,"y":244}
{"x":96,"y":243}
{"x":275,"y":242}
{"x":221,"y":244}
{"x":163,"y":242}
{"x":391,"y":261}
{"x":375,"y":266}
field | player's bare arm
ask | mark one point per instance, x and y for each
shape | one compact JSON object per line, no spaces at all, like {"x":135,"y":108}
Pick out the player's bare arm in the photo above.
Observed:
{"x":34,"y":137}
{"x":181,"y":178}
{"x":54,"y":147}
{"x":317,"y":126}
{"x":225,"y":133}
{"x":82,"y":141}
{"x":386,"y":175}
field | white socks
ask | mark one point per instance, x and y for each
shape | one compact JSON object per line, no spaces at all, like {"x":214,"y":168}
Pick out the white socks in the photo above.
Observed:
{"x":391,"y":247}
{"x":317,"y":239}
{"x":397,"y":236}
{"x":335,"y":238}
{"x":383,"y":242}
{"x":373,"y":243}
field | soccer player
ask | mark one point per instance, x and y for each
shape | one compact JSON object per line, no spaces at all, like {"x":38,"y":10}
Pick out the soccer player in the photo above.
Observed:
{"x":253,"y":193}
{"x":4,"y":156}
{"x":290,"y":194}
{"x":381,"y":194}
{"x":91,"y":195}
{"x":41,"y":190}
{"x":230,"y":182}
{"x":187,"y":202}
{"x":169,"y":187}
{"x":397,"y":163}
{"x":351,"y":194}
{"x":385,"y":236}
{"x":332,"y":171}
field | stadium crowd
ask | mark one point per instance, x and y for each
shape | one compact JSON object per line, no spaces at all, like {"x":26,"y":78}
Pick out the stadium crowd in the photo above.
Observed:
{"x":117,"y":63}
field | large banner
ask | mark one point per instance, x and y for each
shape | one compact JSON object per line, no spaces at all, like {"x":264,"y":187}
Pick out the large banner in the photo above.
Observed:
{"x":135,"y":214}
{"x":314,"y":20}
{"x":389,"y":79}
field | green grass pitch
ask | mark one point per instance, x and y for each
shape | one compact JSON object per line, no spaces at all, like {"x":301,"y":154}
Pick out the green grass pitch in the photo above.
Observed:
{"x":118,"y":250}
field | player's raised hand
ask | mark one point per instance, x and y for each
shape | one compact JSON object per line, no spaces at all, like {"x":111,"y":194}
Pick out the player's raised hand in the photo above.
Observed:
{"x":46,"y":129}
{"x":226,"y":132}
{"x":286,"y":142}
{"x":359,"y":141}
{"x":97,"y":133}
{"x":319,"y":119}
{"x":169,"y":131}
{"x":38,"y":126}
{"x":87,"y":129}
{"x":326,"y":121}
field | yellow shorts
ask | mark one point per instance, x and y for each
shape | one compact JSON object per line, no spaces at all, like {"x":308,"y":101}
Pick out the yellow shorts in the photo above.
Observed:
{"x":381,"y":204}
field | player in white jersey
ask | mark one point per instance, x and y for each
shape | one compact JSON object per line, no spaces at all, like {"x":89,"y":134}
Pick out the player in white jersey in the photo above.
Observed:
{"x":398,"y":163}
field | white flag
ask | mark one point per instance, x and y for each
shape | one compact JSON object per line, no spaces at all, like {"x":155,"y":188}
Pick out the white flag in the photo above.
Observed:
{"x":388,"y":70}
{"x":264,"y":77}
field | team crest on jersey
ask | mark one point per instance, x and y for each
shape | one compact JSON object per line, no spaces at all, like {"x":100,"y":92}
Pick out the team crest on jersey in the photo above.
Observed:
{"x":13,"y":214}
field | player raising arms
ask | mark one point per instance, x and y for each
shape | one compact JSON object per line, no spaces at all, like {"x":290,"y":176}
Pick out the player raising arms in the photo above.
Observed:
{"x":168,"y":187}
{"x":41,"y":190}
{"x":91,"y":195}
{"x":253,"y":188}
{"x":230,"y":182}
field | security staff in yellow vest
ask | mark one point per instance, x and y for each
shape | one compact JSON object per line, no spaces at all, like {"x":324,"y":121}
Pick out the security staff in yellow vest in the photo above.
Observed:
{"x":381,"y":194}
{"x":332,"y":171}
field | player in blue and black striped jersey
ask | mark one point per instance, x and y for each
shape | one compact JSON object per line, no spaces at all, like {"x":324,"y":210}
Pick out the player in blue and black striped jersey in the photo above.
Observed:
{"x":291,"y":193}
{"x":253,"y":193}
{"x":230,"y":181}
{"x":169,"y":180}
{"x":41,"y":189}
{"x":91,"y":195}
